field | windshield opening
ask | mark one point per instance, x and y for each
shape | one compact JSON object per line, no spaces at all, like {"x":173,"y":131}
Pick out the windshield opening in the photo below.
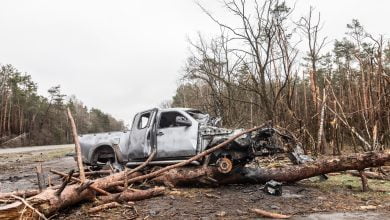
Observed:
{"x":198,"y":115}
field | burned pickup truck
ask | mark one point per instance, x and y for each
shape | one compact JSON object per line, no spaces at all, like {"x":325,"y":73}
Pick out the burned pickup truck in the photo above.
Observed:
{"x":177,"y":134}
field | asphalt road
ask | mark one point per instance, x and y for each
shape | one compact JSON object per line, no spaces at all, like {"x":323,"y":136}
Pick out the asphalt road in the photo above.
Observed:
{"x":34,"y":148}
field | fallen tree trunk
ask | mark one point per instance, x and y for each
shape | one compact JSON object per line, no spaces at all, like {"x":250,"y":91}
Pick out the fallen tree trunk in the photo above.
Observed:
{"x":49,"y":202}
{"x":46,"y":202}
{"x":129,"y":195}
{"x":190,"y":175}
{"x":358,"y":161}
{"x":370,"y":175}
{"x":22,"y":193}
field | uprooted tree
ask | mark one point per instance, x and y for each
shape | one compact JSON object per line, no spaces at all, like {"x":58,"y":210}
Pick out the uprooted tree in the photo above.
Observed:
{"x":114,"y":188}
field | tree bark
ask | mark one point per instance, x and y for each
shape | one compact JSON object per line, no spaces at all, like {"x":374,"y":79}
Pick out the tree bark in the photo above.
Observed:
{"x":129,"y":195}
{"x":40,"y":177}
{"x":363,"y":177}
{"x":207,"y":175}
{"x":77,"y":147}
{"x":49,"y":202}
{"x":267,"y":214}
{"x":370,"y":175}
{"x":23,"y":193}
{"x":104,"y":206}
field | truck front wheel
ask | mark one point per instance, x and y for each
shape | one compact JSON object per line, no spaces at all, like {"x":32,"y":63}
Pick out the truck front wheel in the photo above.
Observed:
{"x":224,"y":164}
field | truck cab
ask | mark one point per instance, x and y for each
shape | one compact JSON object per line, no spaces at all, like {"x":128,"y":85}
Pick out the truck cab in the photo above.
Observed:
{"x":173,"y":132}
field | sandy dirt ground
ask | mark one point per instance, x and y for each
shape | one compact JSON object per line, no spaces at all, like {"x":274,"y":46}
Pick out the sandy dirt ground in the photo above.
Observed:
{"x":337,"y":198}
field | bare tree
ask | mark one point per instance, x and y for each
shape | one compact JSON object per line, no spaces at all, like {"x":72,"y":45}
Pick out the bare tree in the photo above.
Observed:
{"x":310,"y":27}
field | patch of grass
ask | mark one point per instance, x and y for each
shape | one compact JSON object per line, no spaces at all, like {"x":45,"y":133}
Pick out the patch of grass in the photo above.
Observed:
{"x":51,"y":154}
{"x":352,"y":184}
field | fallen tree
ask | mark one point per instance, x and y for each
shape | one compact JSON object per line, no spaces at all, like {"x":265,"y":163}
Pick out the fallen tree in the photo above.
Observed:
{"x":55,"y":198}
{"x":49,"y":202}
{"x":210,"y":175}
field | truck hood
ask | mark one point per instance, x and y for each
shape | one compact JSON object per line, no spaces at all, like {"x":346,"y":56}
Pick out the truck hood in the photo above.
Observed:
{"x":220,"y":134}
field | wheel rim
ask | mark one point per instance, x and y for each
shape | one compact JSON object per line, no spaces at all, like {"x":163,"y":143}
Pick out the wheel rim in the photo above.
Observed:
{"x":225,"y":165}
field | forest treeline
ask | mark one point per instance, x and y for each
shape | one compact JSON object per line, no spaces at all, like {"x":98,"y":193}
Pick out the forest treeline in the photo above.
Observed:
{"x":27,"y":118}
{"x":334,"y":95}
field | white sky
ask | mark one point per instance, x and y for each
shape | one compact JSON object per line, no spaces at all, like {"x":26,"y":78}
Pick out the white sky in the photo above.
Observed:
{"x":126,"y":56}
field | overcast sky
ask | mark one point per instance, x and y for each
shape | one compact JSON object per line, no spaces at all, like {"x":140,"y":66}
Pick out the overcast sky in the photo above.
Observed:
{"x":126,"y":56}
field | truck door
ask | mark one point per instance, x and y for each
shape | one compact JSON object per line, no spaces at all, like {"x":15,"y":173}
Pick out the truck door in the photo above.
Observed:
{"x":143,"y":135}
{"x":176,"y":140}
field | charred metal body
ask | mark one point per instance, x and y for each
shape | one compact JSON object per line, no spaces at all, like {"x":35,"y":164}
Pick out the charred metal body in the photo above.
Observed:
{"x":178,"y":134}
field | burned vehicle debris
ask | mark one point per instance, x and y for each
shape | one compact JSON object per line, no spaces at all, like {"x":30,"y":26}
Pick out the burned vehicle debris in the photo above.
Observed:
{"x":177,"y":134}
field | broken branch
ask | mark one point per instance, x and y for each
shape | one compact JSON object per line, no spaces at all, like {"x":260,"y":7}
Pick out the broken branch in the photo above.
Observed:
{"x":23,"y":193}
{"x":28,"y":205}
{"x":104,"y":206}
{"x":78,"y":180}
{"x":63,"y":185}
{"x":144,"y":164}
{"x":84,"y":186}
{"x":77,"y":147}
{"x":269,"y":214}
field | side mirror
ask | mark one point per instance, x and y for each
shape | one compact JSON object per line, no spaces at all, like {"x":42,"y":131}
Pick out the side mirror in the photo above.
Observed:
{"x":182,"y":121}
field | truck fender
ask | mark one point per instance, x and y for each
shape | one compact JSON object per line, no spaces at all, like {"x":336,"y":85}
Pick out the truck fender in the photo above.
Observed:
{"x":95,"y":149}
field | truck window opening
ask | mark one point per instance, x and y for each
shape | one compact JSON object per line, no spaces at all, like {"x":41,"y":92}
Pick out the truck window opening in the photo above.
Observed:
{"x":144,"y":120}
{"x":168,"y":119}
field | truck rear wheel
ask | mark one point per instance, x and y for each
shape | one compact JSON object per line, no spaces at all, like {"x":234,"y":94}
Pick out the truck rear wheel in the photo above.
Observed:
{"x":103,"y":155}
